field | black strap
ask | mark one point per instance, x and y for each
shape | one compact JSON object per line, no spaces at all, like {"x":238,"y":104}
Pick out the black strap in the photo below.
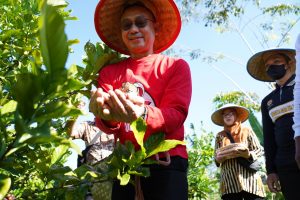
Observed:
{"x":230,"y":137}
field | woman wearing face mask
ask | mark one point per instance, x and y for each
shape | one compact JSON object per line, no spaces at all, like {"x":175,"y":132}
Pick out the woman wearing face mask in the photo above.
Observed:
{"x":237,"y":182}
{"x":277,"y":117}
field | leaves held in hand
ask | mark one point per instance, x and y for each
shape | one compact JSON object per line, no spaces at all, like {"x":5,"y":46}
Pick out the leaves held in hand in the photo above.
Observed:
{"x":126,"y":160}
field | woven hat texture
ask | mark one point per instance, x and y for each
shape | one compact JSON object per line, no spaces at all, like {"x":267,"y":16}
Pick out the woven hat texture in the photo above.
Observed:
{"x":256,"y":64}
{"x":107,"y":22}
{"x":217,"y":116}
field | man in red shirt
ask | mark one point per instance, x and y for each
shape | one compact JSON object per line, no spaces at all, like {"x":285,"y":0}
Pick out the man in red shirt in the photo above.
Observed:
{"x":160,"y":87}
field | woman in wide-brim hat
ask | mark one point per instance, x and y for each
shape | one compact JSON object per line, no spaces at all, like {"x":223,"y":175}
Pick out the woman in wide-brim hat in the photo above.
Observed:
{"x":237,"y":182}
{"x":107,"y":23}
{"x":217,"y":116}
{"x":256,"y":65}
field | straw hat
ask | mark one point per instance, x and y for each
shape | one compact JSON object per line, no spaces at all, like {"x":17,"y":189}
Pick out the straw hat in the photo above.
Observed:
{"x":242,"y":113}
{"x":256,"y":64}
{"x":107,"y":22}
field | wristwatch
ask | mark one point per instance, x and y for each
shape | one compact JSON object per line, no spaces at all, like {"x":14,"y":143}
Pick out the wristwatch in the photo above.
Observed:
{"x":144,"y":115}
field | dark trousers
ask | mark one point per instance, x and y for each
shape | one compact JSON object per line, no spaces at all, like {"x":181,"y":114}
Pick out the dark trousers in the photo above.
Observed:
{"x":289,"y":178}
{"x":164,"y":183}
{"x":241,"y":196}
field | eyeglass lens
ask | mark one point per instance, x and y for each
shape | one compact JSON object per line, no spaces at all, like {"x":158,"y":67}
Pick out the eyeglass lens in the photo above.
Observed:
{"x":139,"y":22}
{"x":230,"y":114}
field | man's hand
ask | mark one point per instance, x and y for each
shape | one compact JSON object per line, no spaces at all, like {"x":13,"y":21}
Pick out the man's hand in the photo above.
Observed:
{"x":98,"y":104}
{"x":297,"y":154}
{"x":273,"y":183}
{"x":116,"y":105}
{"x":125,"y":107}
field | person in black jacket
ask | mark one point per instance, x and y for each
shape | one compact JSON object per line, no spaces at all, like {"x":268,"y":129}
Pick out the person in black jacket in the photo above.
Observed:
{"x":277,"y":117}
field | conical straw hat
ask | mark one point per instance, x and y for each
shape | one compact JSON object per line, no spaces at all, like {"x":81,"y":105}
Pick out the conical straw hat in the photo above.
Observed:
{"x":256,"y":64}
{"x":107,"y":22}
{"x":242,"y":114}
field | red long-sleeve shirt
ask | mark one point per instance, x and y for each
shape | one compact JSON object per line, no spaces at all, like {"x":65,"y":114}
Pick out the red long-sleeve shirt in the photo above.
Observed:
{"x":165,"y":83}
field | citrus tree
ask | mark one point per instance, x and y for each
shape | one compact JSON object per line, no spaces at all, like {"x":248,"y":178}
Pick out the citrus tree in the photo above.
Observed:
{"x":38,"y":95}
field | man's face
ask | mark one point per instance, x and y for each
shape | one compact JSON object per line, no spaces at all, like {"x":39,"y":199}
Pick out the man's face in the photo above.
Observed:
{"x":138,"y":32}
{"x":275,"y":59}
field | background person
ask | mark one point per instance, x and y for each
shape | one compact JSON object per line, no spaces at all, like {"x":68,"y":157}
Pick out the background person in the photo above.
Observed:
{"x":277,"y":119}
{"x":296,"y":125}
{"x":142,"y":29}
{"x":98,"y":146}
{"x":237,"y":182}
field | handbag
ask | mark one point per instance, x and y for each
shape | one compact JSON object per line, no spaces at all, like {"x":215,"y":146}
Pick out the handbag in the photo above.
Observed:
{"x":250,"y":165}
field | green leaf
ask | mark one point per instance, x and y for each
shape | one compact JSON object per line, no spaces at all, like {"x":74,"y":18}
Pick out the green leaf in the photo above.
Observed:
{"x":139,"y":128}
{"x":124,"y":179}
{"x":8,"y":107}
{"x":153,"y":141}
{"x":165,"y":146}
{"x":5,"y":183}
{"x":58,"y":153}
{"x":141,"y":171}
{"x":71,"y":42}
{"x":9,"y":33}
{"x":54,"y":110}
{"x":129,"y":147}
{"x":97,"y":57}
{"x":103,"y":60}
{"x":136,"y":159}
{"x":75,"y":147}
{"x":60,"y":170}
{"x":54,"y":45}
{"x":3,"y":146}
{"x":27,"y":139}
{"x":26,"y":90}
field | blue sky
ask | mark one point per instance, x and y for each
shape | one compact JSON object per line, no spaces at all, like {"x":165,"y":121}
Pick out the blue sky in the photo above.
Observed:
{"x":207,"y":79}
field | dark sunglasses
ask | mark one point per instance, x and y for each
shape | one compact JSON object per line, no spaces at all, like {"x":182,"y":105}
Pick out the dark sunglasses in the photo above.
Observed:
{"x":139,"y":22}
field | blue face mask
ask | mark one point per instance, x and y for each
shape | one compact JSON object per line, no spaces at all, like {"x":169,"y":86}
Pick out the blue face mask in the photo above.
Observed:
{"x":276,"y":72}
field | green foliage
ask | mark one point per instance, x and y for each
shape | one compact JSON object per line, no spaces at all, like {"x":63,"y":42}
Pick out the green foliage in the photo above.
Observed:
{"x":5,"y":183}
{"x":249,"y":100}
{"x":275,"y":196}
{"x":125,"y":161}
{"x":122,"y":164}
{"x":98,"y":56}
{"x":36,"y":98}
{"x":270,"y":25}
{"x":202,"y":180}
{"x":220,"y":12}
{"x":282,"y":9}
